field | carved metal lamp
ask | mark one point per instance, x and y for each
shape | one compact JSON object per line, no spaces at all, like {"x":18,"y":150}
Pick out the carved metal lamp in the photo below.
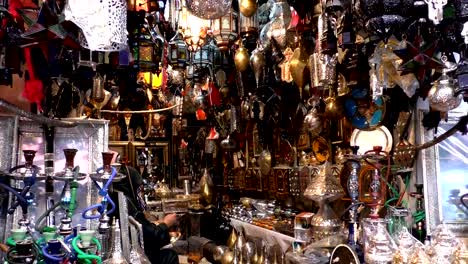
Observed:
{"x":323,"y":189}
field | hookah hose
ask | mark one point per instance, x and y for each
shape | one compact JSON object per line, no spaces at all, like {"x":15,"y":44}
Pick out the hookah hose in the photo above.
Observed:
{"x":46,"y":254}
{"x":88,"y":258}
{"x":22,"y":197}
{"x":103,"y":192}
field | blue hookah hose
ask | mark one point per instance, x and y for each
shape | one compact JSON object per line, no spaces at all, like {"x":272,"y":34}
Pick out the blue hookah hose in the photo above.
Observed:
{"x":103,"y":192}
{"x":22,"y":197}
{"x":46,"y":254}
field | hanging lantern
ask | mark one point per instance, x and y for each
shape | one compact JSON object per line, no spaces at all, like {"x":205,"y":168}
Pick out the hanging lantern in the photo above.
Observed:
{"x":225,"y":29}
{"x":178,"y":51}
{"x":146,"y":52}
{"x":204,"y":57}
{"x":194,"y":29}
{"x":248,"y":25}
{"x":249,"y":30}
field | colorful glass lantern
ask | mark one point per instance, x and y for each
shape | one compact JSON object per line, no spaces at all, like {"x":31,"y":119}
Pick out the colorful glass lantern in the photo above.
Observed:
{"x":146,"y":52}
{"x":225,"y":29}
{"x":178,"y":51}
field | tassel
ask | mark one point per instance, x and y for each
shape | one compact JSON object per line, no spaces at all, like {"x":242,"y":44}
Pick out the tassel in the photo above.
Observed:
{"x":33,"y":88}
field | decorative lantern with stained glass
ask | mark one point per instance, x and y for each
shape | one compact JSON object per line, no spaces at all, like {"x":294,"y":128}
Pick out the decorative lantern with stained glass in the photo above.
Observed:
{"x":225,"y":29}
{"x":147,"y":53}
{"x":178,"y":51}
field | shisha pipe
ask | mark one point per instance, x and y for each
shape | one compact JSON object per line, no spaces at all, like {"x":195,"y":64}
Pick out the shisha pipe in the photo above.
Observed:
{"x":29,"y":178}
{"x":376,"y":191}
{"x":101,"y":208}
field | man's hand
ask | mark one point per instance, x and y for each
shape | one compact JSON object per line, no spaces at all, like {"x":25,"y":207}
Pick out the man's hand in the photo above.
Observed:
{"x":170,"y":220}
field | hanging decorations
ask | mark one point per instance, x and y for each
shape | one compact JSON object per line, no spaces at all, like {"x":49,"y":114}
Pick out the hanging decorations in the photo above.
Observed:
{"x":225,"y":29}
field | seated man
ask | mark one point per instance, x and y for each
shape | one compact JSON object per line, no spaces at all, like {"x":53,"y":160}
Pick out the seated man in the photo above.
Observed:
{"x":155,"y":236}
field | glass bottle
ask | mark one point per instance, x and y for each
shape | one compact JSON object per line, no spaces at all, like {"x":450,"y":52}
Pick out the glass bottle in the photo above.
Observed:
{"x":116,"y":255}
{"x":137,"y":256}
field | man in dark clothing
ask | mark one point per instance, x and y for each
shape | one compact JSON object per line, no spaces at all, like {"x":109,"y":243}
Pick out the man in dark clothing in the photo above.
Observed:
{"x":155,"y":236}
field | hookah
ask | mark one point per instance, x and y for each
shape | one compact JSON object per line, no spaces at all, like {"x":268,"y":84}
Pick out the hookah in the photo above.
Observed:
{"x":106,"y":174}
{"x":352,"y":167}
{"x":23,"y":196}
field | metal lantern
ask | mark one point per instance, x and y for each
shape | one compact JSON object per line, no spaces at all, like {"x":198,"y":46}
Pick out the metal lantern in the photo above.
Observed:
{"x":225,"y":29}
{"x":248,"y":25}
{"x":204,"y":57}
{"x":178,"y":51}
{"x":147,"y":54}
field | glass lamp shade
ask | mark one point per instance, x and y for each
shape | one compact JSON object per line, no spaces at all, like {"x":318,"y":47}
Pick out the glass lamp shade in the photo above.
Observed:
{"x":178,"y":51}
{"x":209,"y":9}
{"x":225,"y":29}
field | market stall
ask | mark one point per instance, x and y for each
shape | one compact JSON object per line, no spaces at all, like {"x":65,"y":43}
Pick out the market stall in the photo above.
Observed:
{"x":233,"y":131}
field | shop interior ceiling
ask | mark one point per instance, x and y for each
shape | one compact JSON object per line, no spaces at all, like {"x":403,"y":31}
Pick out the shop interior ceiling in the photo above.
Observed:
{"x":300,"y":65}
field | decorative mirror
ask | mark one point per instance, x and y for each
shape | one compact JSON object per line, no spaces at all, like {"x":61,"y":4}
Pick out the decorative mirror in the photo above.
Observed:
{"x":444,"y":171}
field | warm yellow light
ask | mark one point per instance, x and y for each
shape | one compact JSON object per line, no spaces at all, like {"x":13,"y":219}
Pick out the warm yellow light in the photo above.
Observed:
{"x":152,"y":79}
{"x":193,"y":28}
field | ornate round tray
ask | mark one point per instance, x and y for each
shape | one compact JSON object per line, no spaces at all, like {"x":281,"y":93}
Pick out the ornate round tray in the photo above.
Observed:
{"x":101,"y":178}
{"x":366,"y":140}
{"x":62,"y":176}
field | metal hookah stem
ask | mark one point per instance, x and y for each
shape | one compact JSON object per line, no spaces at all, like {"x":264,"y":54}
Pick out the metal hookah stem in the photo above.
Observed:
{"x":49,"y":133}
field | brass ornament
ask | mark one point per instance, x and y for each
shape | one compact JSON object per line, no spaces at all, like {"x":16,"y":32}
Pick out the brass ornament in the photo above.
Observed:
{"x":297,"y":66}
{"x":248,"y":7}
{"x":257,"y":61}
{"x":241,"y":59}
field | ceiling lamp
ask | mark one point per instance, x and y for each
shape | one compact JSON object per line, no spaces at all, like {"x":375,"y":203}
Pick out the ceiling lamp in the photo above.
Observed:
{"x":209,"y":9}
{"x":225,"y":29}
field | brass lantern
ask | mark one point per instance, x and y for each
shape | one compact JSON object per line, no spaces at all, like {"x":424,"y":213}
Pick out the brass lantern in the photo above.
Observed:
{"x":225,"y":29}
{"x":178,"y":51}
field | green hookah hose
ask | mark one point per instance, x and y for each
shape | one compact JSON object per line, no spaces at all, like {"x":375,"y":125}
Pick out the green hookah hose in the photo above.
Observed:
{"x":84,"y":256}
{"x":73,"y":205}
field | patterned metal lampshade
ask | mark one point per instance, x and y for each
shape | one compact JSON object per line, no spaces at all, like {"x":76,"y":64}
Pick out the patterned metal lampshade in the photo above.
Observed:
{"x":325,"y":186}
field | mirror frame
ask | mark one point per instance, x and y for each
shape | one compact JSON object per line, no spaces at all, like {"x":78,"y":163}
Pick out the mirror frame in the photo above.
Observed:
{"x":429,"y":170}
